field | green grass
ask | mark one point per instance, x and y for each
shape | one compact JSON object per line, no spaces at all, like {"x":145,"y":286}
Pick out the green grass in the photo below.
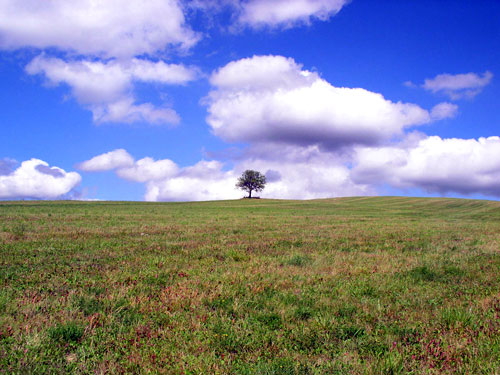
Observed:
{"x":386,"y":285}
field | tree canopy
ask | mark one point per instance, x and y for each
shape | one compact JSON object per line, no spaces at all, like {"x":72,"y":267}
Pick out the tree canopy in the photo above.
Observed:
{"x":251,"y":181}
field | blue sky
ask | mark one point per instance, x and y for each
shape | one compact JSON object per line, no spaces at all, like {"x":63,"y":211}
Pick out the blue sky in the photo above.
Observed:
{"x":172,"y":100}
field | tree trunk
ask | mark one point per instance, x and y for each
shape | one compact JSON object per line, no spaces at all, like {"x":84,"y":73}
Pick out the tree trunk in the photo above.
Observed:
{"x":250,"y":194}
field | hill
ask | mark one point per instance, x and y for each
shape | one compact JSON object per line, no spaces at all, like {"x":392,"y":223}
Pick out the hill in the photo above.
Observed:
{"x":348,"y":285}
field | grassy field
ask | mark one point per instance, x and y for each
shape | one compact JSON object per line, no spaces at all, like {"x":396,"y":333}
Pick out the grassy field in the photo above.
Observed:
{"x":352,"y":285}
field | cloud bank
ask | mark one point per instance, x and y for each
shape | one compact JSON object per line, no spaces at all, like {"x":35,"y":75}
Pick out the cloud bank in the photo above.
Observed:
{"x":34,"y":178}
{"x":436,"y":165}
{"x":164,"y":179}
{"x":432,"y":164}
{"x":303,"y":174}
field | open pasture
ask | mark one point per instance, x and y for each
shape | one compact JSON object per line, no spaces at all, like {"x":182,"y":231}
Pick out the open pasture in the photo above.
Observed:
{"x":350,"y":285}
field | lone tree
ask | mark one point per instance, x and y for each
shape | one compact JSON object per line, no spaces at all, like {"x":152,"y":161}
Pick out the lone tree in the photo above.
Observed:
{"x":250,"y":181}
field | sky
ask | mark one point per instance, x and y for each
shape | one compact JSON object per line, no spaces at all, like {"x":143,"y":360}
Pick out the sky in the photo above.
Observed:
{"x":171,"y":100}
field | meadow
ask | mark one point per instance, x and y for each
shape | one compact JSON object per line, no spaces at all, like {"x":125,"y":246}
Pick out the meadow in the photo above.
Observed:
{"x":383,"y":285}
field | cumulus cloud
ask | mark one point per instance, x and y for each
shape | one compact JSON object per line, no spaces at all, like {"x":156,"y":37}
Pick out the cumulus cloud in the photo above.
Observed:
{"x":434,"y":164}
{"x":106,"y":88}
{"x":106,"y":36}
{"x":111,"y":28}
{"x":114,"y":28}
{"x":119,"y":158}
{"x":100,"y":42}
{"x":147,"y":169}
{"x":125,"y":111}
{"x":444,"y":110}
{"x":304,"y":173}
{"x":459,"y":85}
{"x":272,"y":14}
{"x":165,"y":180}
{"x":143,"y":170}
{"x":51,"y":171}
{"x":34,"y":178}
{"x":272,"y":99}
{"x":205,"y":180}
{"x":287,"y":13}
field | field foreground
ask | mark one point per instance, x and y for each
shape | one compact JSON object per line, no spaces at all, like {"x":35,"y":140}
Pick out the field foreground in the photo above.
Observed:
{"x":350,"y":285}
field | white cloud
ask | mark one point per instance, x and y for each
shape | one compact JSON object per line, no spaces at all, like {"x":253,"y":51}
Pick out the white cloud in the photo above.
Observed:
{"x":100,"y":41}
{"x":164,"y":180}
{"x":111,"y":28}
{"x":106,"y":88}
{"x":125,"y":111}
{"x":108,"y":34}
{"x":464,"y":166}
{"x":271,"y":14}
{"x":262,"y":73}
{"x":206,"y":180}
{"x":35,"y":179}
{"x":434,"y":164}
{"x":459,"y":85}
{"x":110,"y":160}
{"x":143,"y":170}
{"x":160,"y":72}
{"x":444,"y":110}
{"x":270,"y":98}
{"x":318,"y":177}
{"x":302,"y":173}
{"x":147,"y":169}
{"x":287,"y":13}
